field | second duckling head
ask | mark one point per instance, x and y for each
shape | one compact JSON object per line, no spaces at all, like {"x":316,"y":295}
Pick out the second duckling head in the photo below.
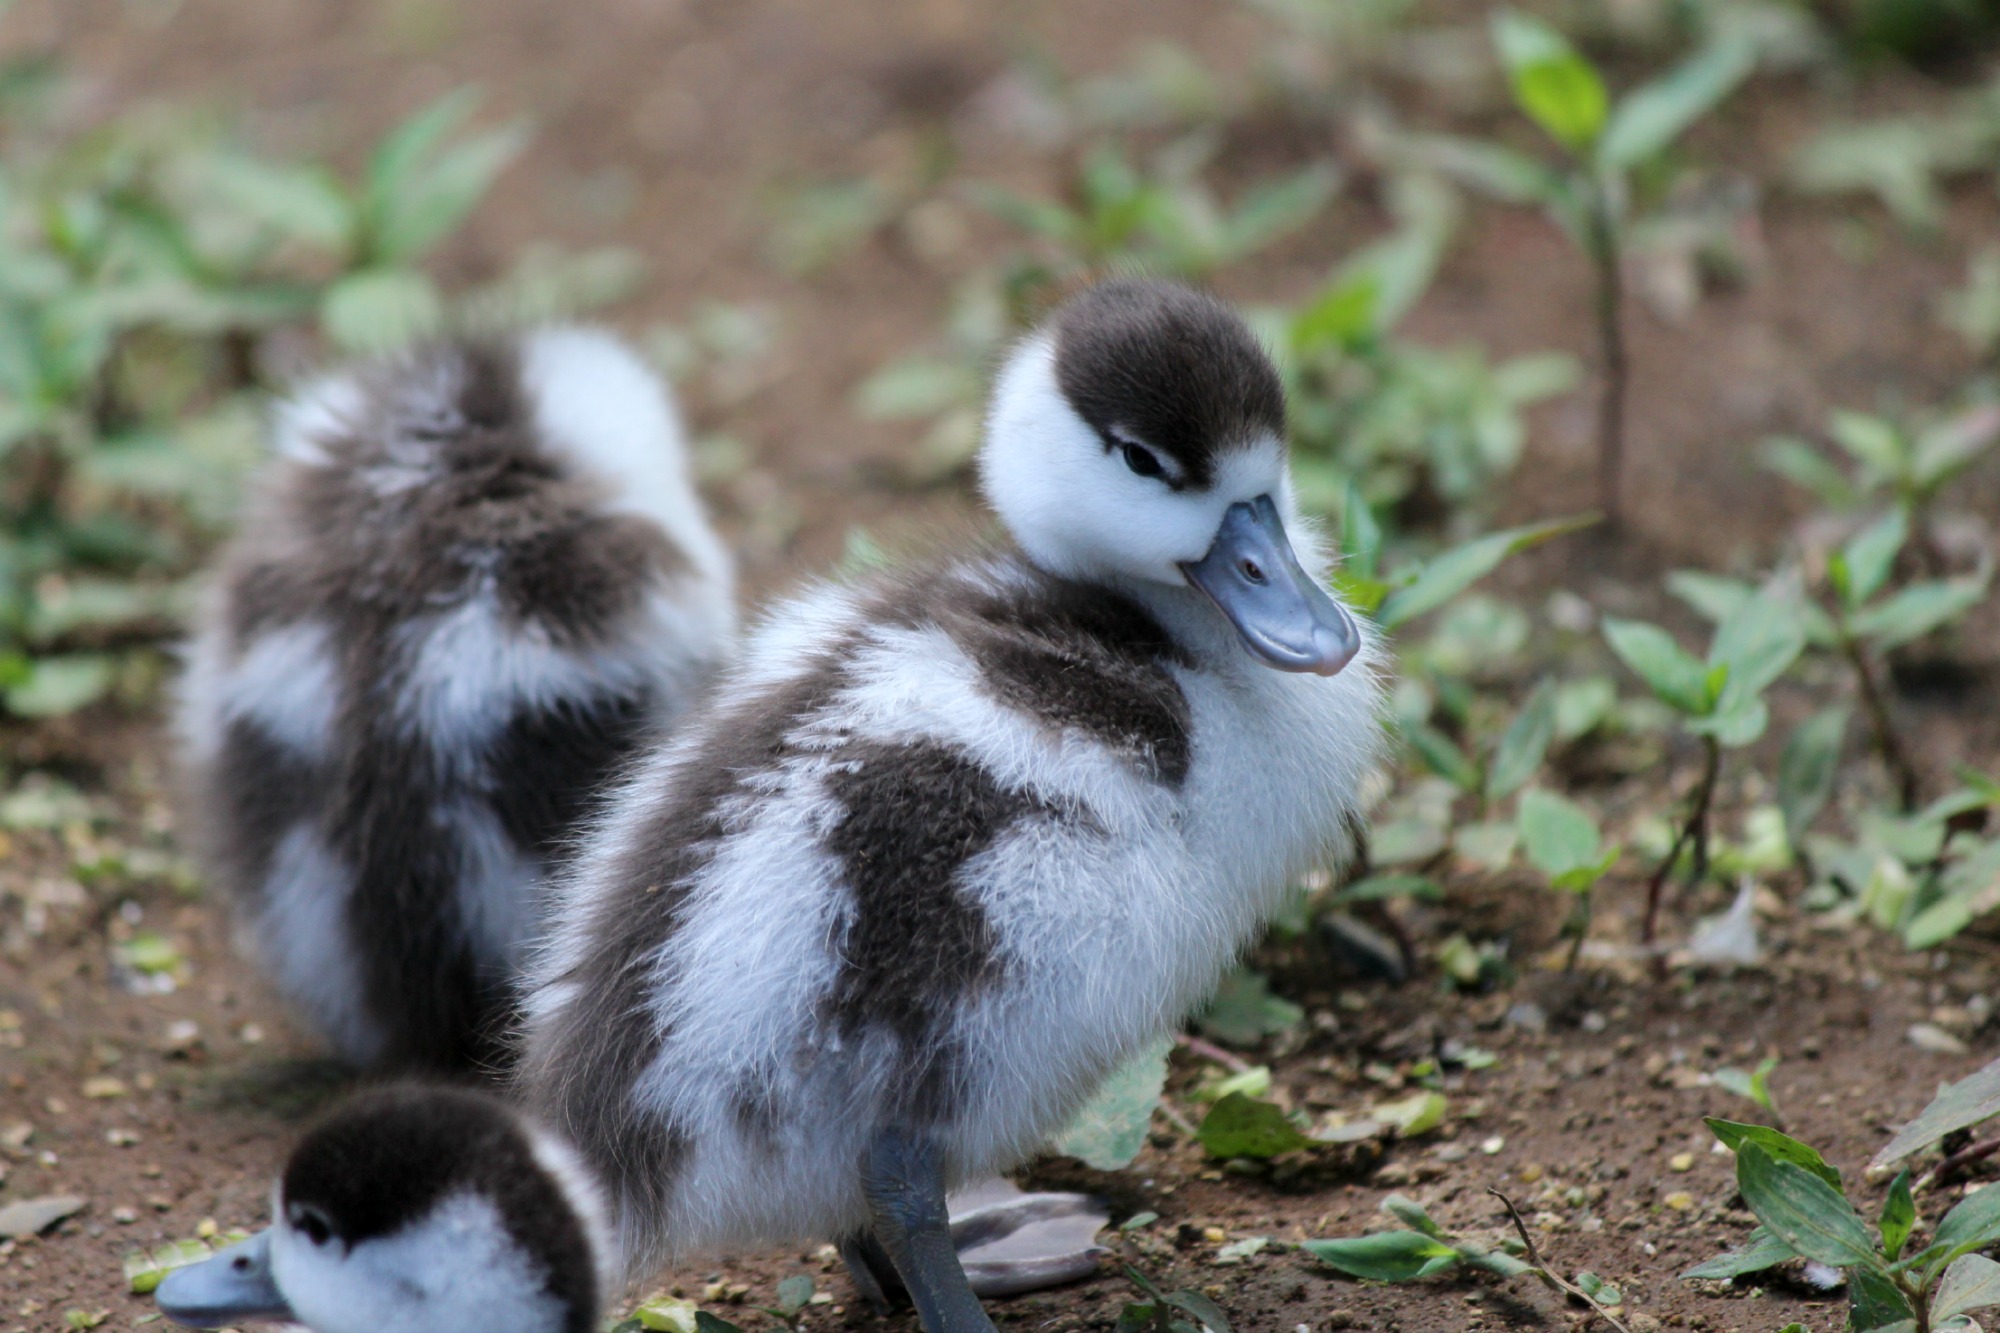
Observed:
{"x":1139,"y":436}
{"x":411,"y":1210}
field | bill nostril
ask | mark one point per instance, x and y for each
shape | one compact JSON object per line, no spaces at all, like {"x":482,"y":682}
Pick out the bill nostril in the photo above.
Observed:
{"x":1253,"y":571}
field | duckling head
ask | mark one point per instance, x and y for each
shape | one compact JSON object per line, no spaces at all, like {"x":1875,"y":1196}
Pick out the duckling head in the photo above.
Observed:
{"x":1139,"y":438}
{"x":411,"y":1210}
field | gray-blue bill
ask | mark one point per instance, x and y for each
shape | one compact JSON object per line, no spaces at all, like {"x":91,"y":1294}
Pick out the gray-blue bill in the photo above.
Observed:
{"x":1285,"y":619}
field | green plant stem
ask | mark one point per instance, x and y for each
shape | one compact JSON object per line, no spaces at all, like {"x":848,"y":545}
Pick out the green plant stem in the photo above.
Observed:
{"x":1548,"y":1274}
{"x":1694,"y":830}
{"x":1606,"y":260}
{"x":1580,"y":916}
{"x":1887,"y":743}
{"x":1208,"y":1050}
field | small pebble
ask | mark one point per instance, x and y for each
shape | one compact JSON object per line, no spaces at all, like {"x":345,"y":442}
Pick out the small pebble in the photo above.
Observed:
{"x":206,"y":1229}
{"x":125,"y":1216}
{"x":104,"y":1087}
{"x":1934,"y":1039}
{"x":1214,"y":1235}
{"x":1492,"y":1146}
{"x":1680,"y":1201}
{"x":1681,"y":1161}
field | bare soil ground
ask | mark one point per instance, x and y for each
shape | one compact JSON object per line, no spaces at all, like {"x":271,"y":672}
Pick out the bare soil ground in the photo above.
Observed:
{"x":665,"y":125}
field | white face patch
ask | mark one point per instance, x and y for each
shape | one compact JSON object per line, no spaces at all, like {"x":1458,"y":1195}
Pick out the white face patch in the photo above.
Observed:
{"x":455,"y":1268}
{"x":1078,"y":508}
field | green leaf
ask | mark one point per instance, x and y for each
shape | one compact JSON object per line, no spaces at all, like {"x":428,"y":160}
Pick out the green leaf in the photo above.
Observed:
{"x":1804,"y":466}
{"x":1751,"y":1086}
{"x":1412,"y":1215}
{"x":915,"y":387}
{"x":1558,"y":834}
{"x":380,"y":310}
{"x":667,"y":1315}
{"x":1971,"y":1283}
{"x":1668,"y":669}
{"x":1870,"y":554}
{"x":1459,"y":568}
{"x":704,"y":1322}
{"x":1965,"y":1103}
{"x":1244,"y":1011}
{"x":1714,"y":597}
{"x":57,"y":686}
{"x":1523,"y":745}
{"x":1974,"y":1223}
{"x":1239,"y":1126}
{"x":1809,"y":1215}
{"x":1915,"y":611}
{"x":1759,"y":641}
{"x":1947,"y":449}
{"x":429,"y":209}
{"x":1360,"y":536}
{"x":1419,"y":1113}
{"x":1876,"y":1305}
{"x":1111,"y":1128}
{"x":1899,"y":1215}
{"x":1873,"y":442}
{"x":1807,"y":770}
{"x":1202,"y":1308}
{"x":1736,"y":726}
{"x":1376,"y":888}
{"x":1558,"y":89}
{"x":1764,"y":1251}
{"x":1385,"y":1256}
{"x":1783,"y":1147}
{"x":794,"y":1293}
{"x":1652,"y":116}
{"x":1443,"y":757}
{"x":1489,"y":168}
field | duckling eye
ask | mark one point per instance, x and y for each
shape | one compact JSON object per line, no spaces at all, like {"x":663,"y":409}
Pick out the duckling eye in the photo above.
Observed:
{"x":312,"y":1223}
{"x":1142,"y":461}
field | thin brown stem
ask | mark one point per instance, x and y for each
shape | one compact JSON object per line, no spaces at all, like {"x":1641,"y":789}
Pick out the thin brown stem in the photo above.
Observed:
{"x":1958,"y":1161}
{"x":1888,"y":744}
{"x":1694,"y":830}
{"x":1609,"y":271}
{"x":1549,"y":1275}
{"x":1208,"y":1050}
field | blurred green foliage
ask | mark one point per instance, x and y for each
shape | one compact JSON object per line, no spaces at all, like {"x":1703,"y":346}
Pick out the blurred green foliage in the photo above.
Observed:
{"x":144,"y":264}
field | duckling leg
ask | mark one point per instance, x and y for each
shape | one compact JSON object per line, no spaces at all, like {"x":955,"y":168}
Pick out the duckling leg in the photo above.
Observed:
{"x":904,"y":1182}
{"x":874,"y":1276}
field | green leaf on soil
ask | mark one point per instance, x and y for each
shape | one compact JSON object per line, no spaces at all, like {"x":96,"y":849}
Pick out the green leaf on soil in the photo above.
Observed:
{"x":1244,"y":1011}
{"x":1965,"y":1103}
{"x":1807,"y":769}
{"x":1111,"y":1128}
{"x":1239,"y":1126}
{"x":1559,"y":835}
{"x":1899,"y":1216}
{"x":1385,"y":1256}
{"x":1971,"y":1283}
{"x":1810,"y":1215}
{"x":1671,"y":672}
{"x":1652,"y":116}
{"x":1558,"y":89}
{"x":1452,"y":573}
{"x":1523,"y":745}
{"x":1785,"y":1148}
{"x":1764,"y":1251}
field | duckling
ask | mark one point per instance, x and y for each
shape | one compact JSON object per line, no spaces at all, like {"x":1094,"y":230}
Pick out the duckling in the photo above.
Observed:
{"x":474,"y":579}
{"x":427,"y":1208}
{"x":945,"y":849}
{"x":418,"y":1209}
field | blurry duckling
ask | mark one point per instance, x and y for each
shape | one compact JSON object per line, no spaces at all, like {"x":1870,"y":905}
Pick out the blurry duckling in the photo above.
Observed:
{"x":475,"y":578}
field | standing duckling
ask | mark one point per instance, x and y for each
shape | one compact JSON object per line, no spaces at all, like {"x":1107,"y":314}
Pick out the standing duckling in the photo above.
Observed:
{"x":944,"y":850}
{"x":475,"y":579}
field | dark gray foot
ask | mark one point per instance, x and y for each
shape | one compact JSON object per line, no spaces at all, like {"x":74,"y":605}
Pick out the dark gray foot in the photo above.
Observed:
{"x":1008,"y":1242}
{"x":904,"y":1181}
{"x":868,"y":1264}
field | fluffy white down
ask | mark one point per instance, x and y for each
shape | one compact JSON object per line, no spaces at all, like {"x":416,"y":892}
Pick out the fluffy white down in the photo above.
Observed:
{"x":1111,"y":925}
{"x":455,"y":1268}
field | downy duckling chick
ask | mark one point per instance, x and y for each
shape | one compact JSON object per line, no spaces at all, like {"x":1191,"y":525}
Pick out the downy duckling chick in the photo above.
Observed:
{"x":412,"y":1210}
{"x":943,"y":851}
{"x":425,"y":1209}
{"x":474,"y":579}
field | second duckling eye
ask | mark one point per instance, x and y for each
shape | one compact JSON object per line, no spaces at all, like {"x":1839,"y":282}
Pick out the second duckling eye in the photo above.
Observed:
{"x":311,"y":1223}
{"x":1143,"y":460}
